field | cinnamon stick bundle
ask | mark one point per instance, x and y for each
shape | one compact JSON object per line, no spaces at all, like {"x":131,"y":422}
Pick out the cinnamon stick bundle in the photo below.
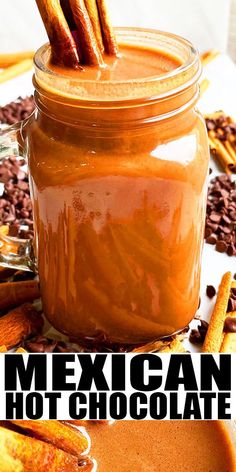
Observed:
{"x":29,"y":454}
{"x":79,"y":31}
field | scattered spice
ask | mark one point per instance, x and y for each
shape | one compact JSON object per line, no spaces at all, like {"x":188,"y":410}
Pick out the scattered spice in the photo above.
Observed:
{"x":210,"y":291}
{"x":16,"y":111}
{"x":220,"y":229}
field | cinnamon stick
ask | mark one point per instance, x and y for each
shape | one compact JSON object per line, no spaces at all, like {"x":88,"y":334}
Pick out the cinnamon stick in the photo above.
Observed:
{"x":7,"y":462}
{"x":204,"y":86}
{"x":87,"y":41}
{"x":209,"y":56}
{"x":15,"y":70}
{"x":92,"y":10}
{"x":108,"y":35}
{"x":16,"y":293}
{"x":221,"y":154}
{"x":214,"y":336}
{"x":18,"y":324}
{"x":63,"y":47}
{"x":7,"y":60}
{"x":30,"y":454}
{"x":63,"y":436}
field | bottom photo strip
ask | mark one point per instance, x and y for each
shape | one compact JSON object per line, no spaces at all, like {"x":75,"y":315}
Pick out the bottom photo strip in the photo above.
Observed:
{"x":132,"y":446}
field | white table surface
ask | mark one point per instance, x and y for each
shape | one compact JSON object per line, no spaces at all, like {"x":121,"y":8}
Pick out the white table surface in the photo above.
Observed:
{"x":220,"y":95}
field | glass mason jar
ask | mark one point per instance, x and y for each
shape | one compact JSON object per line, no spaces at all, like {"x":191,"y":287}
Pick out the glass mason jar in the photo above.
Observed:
{"x":118,"y":174}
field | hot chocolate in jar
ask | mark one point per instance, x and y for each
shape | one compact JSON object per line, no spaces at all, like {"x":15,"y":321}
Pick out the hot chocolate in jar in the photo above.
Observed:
{"x":118,"y":160}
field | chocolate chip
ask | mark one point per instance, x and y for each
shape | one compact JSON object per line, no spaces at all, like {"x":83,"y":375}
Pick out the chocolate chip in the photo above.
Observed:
{"x":203,"y":326}
{"x":230,"y":324}
{"x":17,"y":111}
{"x":215,"y":218}
{"x":210,"y":291}
{"x":221,"y":246}
{"x":197,"y":336}
{"x":212,"y":239}
{"x":231,"y":305}
{"x":231,"y":250}
{"x":220,"y":228}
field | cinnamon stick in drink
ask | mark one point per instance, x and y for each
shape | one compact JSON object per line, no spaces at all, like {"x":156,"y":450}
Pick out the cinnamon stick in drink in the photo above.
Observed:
{"x":108,"y":35}
{"x":78,"y":30}
{"x":35,"y":455}
{"x":92,"y":10}
{"x":63,"y":47}
{"x":63,"y":436}
{"x":88,"y":45}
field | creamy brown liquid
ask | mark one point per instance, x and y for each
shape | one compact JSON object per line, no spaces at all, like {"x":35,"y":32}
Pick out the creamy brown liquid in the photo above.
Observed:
{"x":162,"y":446}
{"x":133,"y":63}
{"x":119,"y":213}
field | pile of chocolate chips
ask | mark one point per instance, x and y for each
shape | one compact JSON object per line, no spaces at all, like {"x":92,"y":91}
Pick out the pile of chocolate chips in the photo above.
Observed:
{"x":223,"y":127}
{"x":220,"y":227}
{"x":17,"y":111}
{"x":15,"y":202}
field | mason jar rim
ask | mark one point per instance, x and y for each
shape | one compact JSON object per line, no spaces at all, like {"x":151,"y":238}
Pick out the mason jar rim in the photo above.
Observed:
{"x":148,"y":88}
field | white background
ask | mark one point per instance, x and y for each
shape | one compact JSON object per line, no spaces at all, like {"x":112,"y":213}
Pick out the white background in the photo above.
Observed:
{"x":205,"y":22}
